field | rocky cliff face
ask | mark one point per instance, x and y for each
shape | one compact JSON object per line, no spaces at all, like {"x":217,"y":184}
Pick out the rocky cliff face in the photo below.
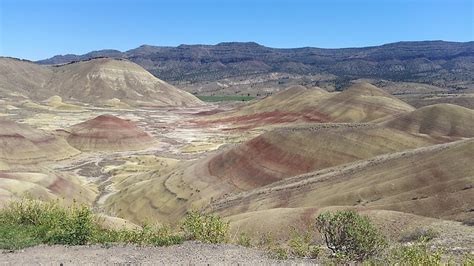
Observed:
{"x":445,"y":64}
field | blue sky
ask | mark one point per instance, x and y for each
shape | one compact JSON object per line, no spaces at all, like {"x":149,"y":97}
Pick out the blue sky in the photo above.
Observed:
{"x":37,"y":29}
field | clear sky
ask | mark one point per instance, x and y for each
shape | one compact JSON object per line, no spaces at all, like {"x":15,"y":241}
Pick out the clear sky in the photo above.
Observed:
{"x":37,"y":29}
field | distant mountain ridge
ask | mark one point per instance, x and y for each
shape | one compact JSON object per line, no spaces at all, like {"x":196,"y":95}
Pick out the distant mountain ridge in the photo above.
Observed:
{"x":441,"y":63}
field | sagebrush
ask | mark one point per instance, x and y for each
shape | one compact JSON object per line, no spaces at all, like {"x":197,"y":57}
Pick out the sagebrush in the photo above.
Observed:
{"x":350,"y":235}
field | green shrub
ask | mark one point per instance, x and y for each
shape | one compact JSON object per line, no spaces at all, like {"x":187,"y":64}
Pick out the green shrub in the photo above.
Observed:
{"x":416,"y":254}
{"x":349,"y":234}
{"x":28,"y":222}
{"x":420,"y":234}
{"x":147,"y":235}
{"x":52,"y":223}
{"x":207,"y":228}
{"x":16,"y":237}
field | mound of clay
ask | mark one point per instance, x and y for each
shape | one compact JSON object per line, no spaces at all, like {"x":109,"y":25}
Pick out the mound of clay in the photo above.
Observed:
{"x":94,"y":82}
{"x":282,"y":153}
{"x":434,"y":181}
{"x":116,"y":103}
{"x":21,"y":79}
{"x":437,"y":120}
{"x":99,"y":80}
{"x":57,"y":103}
{"x":108,"y":133}
{"x":44,"y":186}
{"x":22,"y":144}
{"x":362,"y":102}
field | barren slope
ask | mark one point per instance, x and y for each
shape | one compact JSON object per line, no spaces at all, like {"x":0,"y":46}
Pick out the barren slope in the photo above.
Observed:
{"x":437,"y":120}
{"x":277,"y":155}
{"x":362,"y":102}
{"x":108,"y":133}
{"x":434,"y":181}
{"x":21,"y":144}
{"x":98,"y":80}
{"x":45,"y":185}
{"x":23,"y":79}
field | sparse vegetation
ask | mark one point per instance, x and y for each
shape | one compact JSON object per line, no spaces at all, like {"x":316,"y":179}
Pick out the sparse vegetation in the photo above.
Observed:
{"x":301,"y":244}
{"x":207,"y":228}
{"x":244,"y":240}
{"x":416,"y":254}
{"x":226,"y":98}
{"x":420,"y":234}
{"x":280,"y":253}
{"x":48,"y":222}
{"x":28,"y":222}
{"x":350,"y":235}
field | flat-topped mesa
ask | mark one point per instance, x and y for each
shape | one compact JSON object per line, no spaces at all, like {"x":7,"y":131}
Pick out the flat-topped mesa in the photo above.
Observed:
{"x":108,"y":133}
{"x":22,"y":144}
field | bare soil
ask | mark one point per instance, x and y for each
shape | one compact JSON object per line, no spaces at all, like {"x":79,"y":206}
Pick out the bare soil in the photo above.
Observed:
{"x":187,"y":253}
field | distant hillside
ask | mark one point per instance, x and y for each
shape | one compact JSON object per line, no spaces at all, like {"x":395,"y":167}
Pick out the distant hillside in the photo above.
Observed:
{"x":199,"y":67}
{"x":102,"y":81}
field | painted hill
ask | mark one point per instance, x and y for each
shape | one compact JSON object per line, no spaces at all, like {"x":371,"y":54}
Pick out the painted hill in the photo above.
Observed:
{"x":108,"y":133}
{"x":274,"y":157}
{"x":99,"y":80}
{"x":47,"y":185}
{"x":20,"y":79}
{"x":362,"y":102}
{"x":438,"y":185}
{"x":96,"y":81}
{"x":22,"y":144}
{"x":437,"y":120}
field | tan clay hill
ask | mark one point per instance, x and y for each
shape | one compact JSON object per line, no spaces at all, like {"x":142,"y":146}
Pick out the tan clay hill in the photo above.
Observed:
{"x":431,"y":181}
{"x":99,"y":80}
{"x":45,"y":185}
{"x":290,"y":151}
{"x":96,"y":81}
{"x":21,"y":144}
{"x":23,"y":79}
{"x":108,"y":133}
{"x":362,"y":102}
{"x":268,"y":158}
{"x":437,"y":120}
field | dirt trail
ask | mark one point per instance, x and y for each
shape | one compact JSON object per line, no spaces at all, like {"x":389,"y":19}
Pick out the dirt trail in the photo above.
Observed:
{"x":188,"y":253}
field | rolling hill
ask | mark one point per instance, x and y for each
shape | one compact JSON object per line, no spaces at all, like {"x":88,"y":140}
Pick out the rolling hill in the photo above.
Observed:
{"x":96,"y":82}
{"x":280,"y":154}
{"x":362,"y":102}
{"x":433,"y":181}
{"x":108,"y":133}
{"x":21,"y":144}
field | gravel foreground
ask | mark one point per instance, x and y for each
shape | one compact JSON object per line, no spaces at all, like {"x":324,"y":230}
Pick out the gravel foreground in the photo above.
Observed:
{"x":194,"y":253}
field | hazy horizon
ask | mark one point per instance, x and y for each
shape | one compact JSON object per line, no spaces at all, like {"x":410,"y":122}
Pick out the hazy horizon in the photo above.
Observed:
{"x":37,"y":30}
